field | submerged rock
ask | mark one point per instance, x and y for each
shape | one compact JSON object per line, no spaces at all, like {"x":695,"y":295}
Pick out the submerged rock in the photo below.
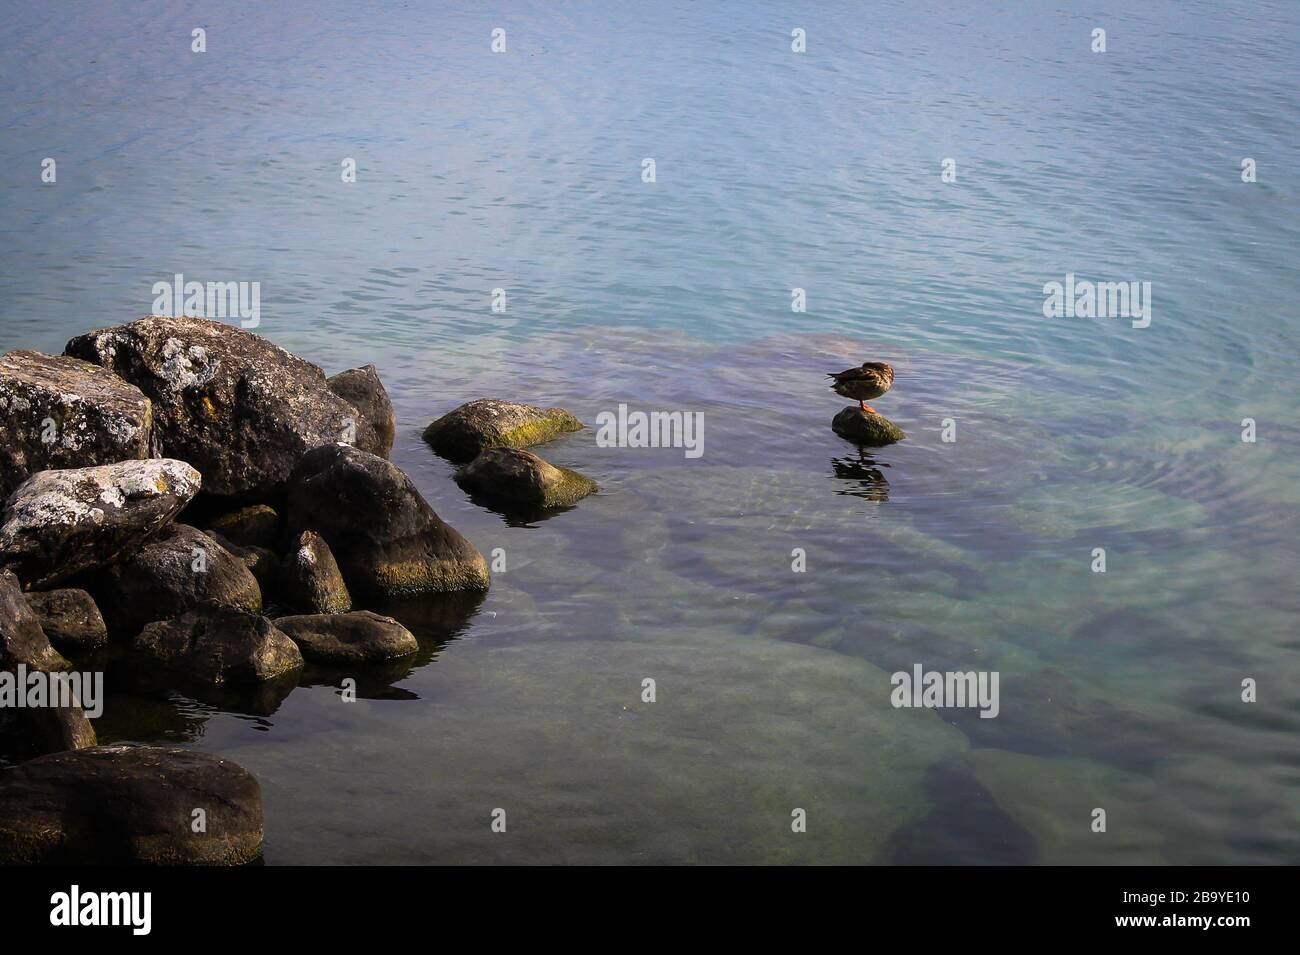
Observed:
{"x":257,"y":525}
{"x":172,"y":574}
{"x":237,"y":407}
{"x":310,"y":580}
{"x":377,"y":425}
{"x":491,"y":423}
{"x":58,"y":412}
{"x":70,"y":619}
{"x":59,"y":523}
{"x":21,"y":638}
{"x":864,"y":427}
{"x":512,"y":477}
{"x":129,"y":805}
{"x":386,"y":538}
{"x":341,"y":638}
{"x":220,"y":645}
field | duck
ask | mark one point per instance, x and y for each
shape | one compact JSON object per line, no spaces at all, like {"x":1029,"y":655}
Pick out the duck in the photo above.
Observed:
{"x":870,"y":380}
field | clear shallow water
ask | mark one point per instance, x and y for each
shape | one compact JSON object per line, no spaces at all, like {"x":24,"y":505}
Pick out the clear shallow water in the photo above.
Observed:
{"x":775,"y":170}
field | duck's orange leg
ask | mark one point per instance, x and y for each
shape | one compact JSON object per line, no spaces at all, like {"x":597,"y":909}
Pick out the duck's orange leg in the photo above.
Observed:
{"x":867,"y":407}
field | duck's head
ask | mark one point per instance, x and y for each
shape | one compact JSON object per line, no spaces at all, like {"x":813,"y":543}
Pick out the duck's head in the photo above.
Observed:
{"x":884,"y":369}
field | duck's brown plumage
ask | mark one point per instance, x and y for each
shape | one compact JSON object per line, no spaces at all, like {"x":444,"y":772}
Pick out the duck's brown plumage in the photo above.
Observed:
{"x":869,"y":380}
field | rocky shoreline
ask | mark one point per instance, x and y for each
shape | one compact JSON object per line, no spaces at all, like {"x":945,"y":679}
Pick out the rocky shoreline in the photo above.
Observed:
{"x":212,"y":506}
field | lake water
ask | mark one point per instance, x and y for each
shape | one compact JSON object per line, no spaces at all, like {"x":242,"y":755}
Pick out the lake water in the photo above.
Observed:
{"x":775,"y":170}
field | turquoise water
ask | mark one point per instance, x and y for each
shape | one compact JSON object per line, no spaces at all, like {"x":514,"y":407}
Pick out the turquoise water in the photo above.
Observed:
{"x":774,"y":171}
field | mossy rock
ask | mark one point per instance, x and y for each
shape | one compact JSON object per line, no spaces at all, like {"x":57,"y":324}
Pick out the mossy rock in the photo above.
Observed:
{"x":510,"y":477}
{"x":865,"y":427}
{"x":491,"y":423}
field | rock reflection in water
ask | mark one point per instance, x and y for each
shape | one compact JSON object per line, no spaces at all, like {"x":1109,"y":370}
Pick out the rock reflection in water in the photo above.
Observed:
{"x":869,"y":481}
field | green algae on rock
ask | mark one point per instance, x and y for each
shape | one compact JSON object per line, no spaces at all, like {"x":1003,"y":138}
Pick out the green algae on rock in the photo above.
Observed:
{"x":864,"y":427}
{"x":486,"y":423}
{"x":512,"y":477}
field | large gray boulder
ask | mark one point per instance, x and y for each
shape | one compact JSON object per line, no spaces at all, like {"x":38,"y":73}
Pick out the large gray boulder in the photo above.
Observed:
{"x":386,"y":538}
{"x":485,"y":423}
{"x":346,"y":638}
{"x":377,"y":425}
{"x":58,"y":412}
{"x":70,"y":619}
{"x":60,"y":523}
{"x":237,"y":407}
{"x":178,"y":570}
{"x":220,"y":645}
{"x":21,"y":638}
{"x":129,"y":805}
{"x":513,"y":478}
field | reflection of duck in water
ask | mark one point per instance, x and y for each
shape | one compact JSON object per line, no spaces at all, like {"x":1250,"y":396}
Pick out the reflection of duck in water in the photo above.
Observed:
{"x":871,"y":380}
{"x":866,"y":471}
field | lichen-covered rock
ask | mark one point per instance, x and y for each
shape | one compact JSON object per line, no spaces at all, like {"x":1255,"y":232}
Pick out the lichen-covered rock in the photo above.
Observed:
{"x":178,"y":570}
{"x":21,"y":638}
{"x":129,"y":805}
{"x":491,"y":423}
{"x":237,"y":407}
{"x":60,"y":523}
{"x":377,"y":425}
{"x":864,"y":427}
{"x":58,"y":412}
{"x":263,"y":563}
{"x":257,"y":525}
{"x":70,"y":619}
{"x":386,"y":538}
{"x":220,"y":645}
{"x":344,"y":638}
{"x":310,"y":580}
{"x":510,"y":477}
